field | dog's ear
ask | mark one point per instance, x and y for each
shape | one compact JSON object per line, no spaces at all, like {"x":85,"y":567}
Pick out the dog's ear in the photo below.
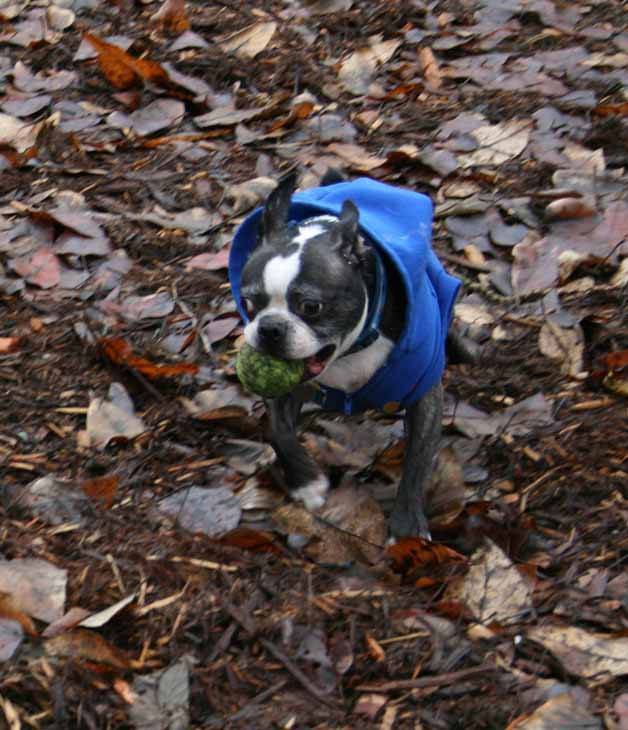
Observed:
{"x":350,"y":243}
{"x":277,"y":206}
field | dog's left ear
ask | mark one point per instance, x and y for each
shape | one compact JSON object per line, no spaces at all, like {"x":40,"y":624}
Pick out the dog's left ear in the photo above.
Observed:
{"x":350,"y":244}
{"x":277,"y":207}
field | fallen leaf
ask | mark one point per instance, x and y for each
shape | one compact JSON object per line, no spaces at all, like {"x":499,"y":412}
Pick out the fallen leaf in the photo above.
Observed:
{"x":429,"y":66}
{"x":171,"y":17}
{"x":120,"y":352}
{"x":121,"y":69}
{"x":245,"y":538}
{"x":536,"y":263}
{"x":9,"y":344}
{"x":493,"y":589}
{"x":41,"y":268}
{"x":360,"y":521}
{"x":161,"y":699}
{"x":498,"y":143}
{"x":84,"y":645}
{"x":210,"y":261}
{"x":584,"y":653}
{"x":369,"y":705}
{"x":112,"y":418}
{"x":151,"y":306}
{"x":251,"y":41}
{"x":374,"y":648}
{"x":158,"y":115}
{"x":220,"y":328}
{"x":96,"y":620}
{"x":565,"y":208}
{"x":248,"y":194}
{"x":68,"y":621}
{"x":52,"y":500}
{"x":101,"y":489}
{"x":621,"y":710}
{"x":9,"y":611}
{"x":357,"y":71}
{"x":566,"y":711}
{"x":227,"y":117}
{"x":35,"y":586}
{"x":615,"y":361}
{"x":414,"y":555}
{"x":11,"y":635}
{"x":565,"y":345}
{"x":213,"y":511}
{"x":358,"y":158}
{"x":323,"y":7}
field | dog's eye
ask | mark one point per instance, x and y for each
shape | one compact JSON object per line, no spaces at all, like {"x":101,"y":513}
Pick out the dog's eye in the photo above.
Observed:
{"x":309,"y":308}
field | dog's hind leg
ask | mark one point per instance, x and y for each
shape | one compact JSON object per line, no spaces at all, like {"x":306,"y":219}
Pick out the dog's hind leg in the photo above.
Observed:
{"x":423,"y":430}
{"x":303,"y":477}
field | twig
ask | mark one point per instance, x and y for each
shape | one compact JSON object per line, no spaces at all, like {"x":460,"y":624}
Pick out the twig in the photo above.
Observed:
{"x":420,"y":682}
{"x":258,"y":699}
{"x":295,"y":671}
{"x":248,"y":624}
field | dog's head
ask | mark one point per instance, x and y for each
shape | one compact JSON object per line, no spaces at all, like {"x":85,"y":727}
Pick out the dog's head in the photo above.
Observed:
{"x":303,"y":285}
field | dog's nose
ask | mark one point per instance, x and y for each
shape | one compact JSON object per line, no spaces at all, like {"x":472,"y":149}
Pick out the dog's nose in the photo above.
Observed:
{"x":271,"y":329}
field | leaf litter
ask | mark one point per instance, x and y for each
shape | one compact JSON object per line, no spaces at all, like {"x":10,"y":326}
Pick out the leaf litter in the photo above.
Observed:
{"x":131,"y":145}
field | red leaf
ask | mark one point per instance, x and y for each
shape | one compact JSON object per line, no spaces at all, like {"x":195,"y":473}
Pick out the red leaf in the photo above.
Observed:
{"x":119,"y":352}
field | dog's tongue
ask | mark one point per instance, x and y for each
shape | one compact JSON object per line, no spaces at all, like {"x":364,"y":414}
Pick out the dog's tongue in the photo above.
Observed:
{"x":314,"y":366}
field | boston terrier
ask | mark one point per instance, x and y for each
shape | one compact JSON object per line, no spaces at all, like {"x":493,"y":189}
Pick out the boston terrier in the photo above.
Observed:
{"x":343,"y":276}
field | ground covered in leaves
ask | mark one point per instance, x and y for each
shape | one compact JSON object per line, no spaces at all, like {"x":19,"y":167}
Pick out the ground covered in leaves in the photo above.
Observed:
{"x":153,"y":575}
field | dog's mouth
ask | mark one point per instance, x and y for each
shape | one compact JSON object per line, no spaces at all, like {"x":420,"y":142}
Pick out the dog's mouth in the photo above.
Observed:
{"x":315,"y":364}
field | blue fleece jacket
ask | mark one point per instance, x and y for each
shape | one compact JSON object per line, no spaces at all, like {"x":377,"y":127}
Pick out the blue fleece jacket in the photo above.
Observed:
{"x":398,"y":223}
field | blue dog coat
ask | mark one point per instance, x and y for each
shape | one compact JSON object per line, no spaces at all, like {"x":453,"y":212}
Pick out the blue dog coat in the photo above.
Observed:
{"x":398,"y":223}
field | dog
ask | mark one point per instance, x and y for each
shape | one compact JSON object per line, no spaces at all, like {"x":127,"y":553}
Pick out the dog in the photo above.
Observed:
{"x":343,"y":277}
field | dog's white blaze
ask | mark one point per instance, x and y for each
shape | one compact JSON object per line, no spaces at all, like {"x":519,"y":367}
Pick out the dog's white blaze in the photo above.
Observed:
{"x":279,"y":273}
{"x":352,"y":372}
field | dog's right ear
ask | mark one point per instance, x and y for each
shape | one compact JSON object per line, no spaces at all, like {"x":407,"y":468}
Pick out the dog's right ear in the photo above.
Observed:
{"x":277,"y":206}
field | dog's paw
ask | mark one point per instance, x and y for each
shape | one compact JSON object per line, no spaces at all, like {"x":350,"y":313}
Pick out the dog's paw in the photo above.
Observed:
{"x":313,"y":494}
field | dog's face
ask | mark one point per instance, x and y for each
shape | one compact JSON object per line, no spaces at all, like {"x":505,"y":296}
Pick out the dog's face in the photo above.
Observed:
{"x":303,"y":286}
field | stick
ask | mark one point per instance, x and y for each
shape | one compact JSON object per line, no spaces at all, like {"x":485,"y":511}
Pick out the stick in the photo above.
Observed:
{"x":435,"y":681}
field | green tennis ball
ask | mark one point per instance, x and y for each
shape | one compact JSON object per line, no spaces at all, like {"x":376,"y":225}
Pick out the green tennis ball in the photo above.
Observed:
{"x":267,"y":376}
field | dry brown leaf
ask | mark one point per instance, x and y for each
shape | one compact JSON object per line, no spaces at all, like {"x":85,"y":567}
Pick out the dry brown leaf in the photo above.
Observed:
{"x":565,"y":345}
{"x":171,"y":17}
{"x":121,"y":69}
{"x":566,"y":711}
{"x":430,"y":68}
{"x":360,"y":522}
{"x":251,"y":41}
{"x":565,"y":208}
{"x":584,"y":653}
{"x":36,"y":587}
{"x":493,"y":589}
{"x":10,"y":610}
{"x":96,"y":620}
{"x":374,"y":648}
{"x":357,"y":157}
{"x":119,"y":352}
{"x":85,"y":645}
{"x":112,"y":418}
{"x":102,"y":489}
{"x":9,"y":344}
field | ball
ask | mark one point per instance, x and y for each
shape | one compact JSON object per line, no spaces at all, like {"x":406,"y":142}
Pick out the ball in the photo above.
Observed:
{"x":266,"y":375}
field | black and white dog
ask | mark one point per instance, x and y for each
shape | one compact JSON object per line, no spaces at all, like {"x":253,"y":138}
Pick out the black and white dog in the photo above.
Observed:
{"x":344,"y":277}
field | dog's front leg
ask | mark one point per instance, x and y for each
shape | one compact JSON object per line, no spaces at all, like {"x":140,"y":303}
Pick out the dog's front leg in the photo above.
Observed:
{"x":303,"y":476}
{"x":423,"y":429}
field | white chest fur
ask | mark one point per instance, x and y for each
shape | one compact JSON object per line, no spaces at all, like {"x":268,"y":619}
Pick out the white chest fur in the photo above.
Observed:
{"x":352,"y":372}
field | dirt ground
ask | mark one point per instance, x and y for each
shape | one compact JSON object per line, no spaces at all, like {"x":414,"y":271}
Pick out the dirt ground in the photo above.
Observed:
{"x":260,"y":633}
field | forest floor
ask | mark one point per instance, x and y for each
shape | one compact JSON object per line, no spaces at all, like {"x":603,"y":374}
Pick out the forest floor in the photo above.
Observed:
{"x":148,"y":577}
